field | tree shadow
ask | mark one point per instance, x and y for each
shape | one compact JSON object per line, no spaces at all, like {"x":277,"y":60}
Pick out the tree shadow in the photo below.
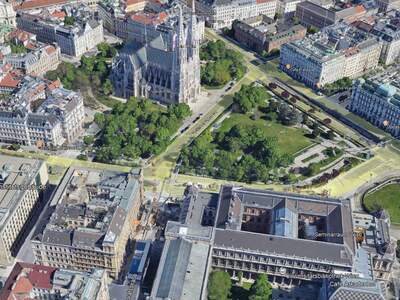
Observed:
{"x":239,"y":293}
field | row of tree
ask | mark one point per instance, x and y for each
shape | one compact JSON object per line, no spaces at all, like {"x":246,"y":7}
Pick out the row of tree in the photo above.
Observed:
{"x":340,"y":85}
{"x":220,"y":286}
{"x":222,"y":64}
{"x":137,"y":128}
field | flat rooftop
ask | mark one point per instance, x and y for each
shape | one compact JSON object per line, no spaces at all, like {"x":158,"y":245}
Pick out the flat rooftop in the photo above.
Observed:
{"x":334,"y":41}
{"x":16,"y":176}
{"x":182,"y":270}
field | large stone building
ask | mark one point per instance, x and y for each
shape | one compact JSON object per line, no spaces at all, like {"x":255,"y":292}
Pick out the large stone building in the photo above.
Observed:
{"x":377,"y":99}
{"x":41,"y":114}
{"x":7,"y":13}
{"x":32,"y":281}
{"x":312,"y":13}
{"x":335,"y":52}
{"x":387,"y":29}
{"x":292,"y":238}
{"x":22,"y":184}
{"x":74,"y":40}
{"x":37,"y":61}
{"x":184,"y":264}
{"x":162,"y":63}
{"x":260,"y":35}
{"x":388,"y":5}
{"x":287,"y":8}
{"x":94,"y":217}
{"x":375,"y":240}
{"x":221,"y":13}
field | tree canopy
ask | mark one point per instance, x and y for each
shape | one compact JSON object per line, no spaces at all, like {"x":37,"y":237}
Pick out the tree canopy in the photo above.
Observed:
{"x":249,"y":97}
{"x":261,"y":289}
{"x":219,"y":286}
{"x":222,"y":64}
{"x":244,"y":153}
{"x":92,"y":73}
{"x":137,"y":128}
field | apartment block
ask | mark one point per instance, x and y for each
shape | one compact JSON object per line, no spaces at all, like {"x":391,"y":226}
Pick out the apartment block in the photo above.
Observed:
{"x":7,"y":13}
{"x":335,"y":52}
{"x":36,"y":62}
{"x":22,"y":183}
{"x":262,"y":36}
{"x":377,"y":100}
{"x":32,"y":281}
{"x":94,"y":217}
{"x":221,"y":13}
{"x":388,"y":5}
{"x":41,"y":114}
{"x":48,"y":25}
{"x":141,"y":26}
{"x":320,"y":15}
{"x":387,"y":29}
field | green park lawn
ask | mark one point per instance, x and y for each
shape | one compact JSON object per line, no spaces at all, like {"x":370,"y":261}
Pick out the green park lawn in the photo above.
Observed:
{"x":388,"y":198}
{"x":290,"y":139}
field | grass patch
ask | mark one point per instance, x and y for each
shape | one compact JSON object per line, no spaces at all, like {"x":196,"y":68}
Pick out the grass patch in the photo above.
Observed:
{"x":322,"y":165}
{"x":307,"y":159}
{"x":290,"y":139}
{"x":107,"y":101}
{"x":388,"y":197}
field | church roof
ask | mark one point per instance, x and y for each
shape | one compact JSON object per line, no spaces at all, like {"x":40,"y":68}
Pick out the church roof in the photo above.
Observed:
{"x":155,"y":52}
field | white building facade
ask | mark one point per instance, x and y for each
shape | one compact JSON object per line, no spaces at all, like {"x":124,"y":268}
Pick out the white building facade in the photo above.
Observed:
{"x":378,"y":103}
{"x":7,"y":13}
{"x":221,"y":13}
{"x":317,"y":63}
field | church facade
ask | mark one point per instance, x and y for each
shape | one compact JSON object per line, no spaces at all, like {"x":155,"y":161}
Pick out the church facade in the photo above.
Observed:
{"x":165,"y":67}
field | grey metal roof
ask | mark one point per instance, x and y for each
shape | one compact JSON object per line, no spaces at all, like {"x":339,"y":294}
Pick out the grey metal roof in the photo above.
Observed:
{"x":174,"y":269}
{"x":182,"y":270}
{"x":307,"y":250}
{"x":358,"y":289}
{"x":153,"y":53}
{"x":194,"y":204}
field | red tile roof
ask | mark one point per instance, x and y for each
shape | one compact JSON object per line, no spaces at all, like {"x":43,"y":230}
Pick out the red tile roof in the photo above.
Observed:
{"x":149,"y":18}
{"x":22,"y":286}
{"x":20,"y":35}
{"x":25,"y":275}
{"x":131,"y":2}
{"x":29,"y":4}
{"x":54,"y":84}
{"x":9,"y":82}
{"x":50,"y":49}
{"x":58,"y":14}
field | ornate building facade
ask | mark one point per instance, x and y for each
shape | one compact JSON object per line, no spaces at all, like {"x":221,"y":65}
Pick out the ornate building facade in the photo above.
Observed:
{"x":166,"y":66}
{"x":7,"y":13}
